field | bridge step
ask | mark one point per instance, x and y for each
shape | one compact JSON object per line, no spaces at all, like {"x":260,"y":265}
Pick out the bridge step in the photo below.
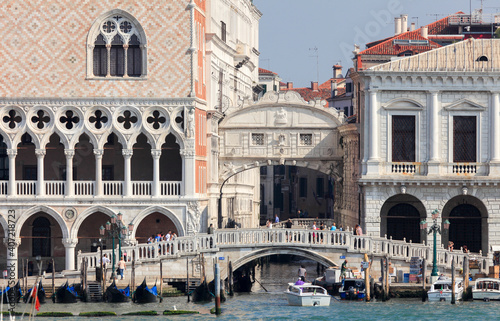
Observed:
{"x":180,"y":283}
{"x":94,"y":291}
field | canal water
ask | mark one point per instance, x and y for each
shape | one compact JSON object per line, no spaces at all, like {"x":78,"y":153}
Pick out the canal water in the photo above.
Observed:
{"x":272,"y":305}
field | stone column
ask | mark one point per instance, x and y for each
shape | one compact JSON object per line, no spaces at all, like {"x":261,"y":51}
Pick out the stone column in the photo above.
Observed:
{"x":12,"y":152}
{"x":156,"y":172}
{"x":12,"y":245}
{"x":40,"y":187}
{"x":127,"y":184}
{"x":69,"y":247}
{"x":373,"y":134}
{"x":434,"y":136}
{"x":69,"y":172}
{"x":189,"y":171}
{"x":98,"y":171}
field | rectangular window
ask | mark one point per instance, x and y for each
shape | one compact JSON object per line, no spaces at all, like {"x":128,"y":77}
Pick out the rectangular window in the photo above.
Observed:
{"x":348,"y":87}
{"x":403,"y":138}
{"x":306,"y":139}
{"x":464,"y":139}
{"x":258,"y":139}
{"x":303,"y":187}
{"x":223,"y":31}
{"x":264,"y":89}
{"x":320,"y":187}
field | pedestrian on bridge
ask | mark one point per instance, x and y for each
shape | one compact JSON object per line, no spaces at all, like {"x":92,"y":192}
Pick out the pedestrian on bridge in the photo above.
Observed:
{"x":276,"y":219}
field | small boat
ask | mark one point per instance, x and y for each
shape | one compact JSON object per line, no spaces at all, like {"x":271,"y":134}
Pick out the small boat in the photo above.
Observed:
{"x":14,"y":293}
{"x":113,"y":294}
{"x":352,"y":289}
{"x":486,"y":289}
{"x":66,"y":294}
{"x":143,"y":294}
{"x":332,"y":280}
{"x":441,"y":290}
{"x":306,"y":294}
{"x":40,"y":294}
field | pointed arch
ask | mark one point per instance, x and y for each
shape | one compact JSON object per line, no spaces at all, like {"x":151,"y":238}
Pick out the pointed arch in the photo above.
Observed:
{"x":47,"y":210}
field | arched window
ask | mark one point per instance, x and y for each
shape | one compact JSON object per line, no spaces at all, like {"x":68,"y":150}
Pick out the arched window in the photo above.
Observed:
{"x":116,"y":46}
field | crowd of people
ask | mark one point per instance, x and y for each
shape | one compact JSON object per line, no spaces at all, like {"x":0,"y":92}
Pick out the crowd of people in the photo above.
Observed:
{"x":162,"y":237}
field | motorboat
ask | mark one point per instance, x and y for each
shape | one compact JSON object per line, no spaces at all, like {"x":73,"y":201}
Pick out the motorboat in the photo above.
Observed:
{"x":441,"y":290}
{"x":306,"y":294}
{"x":66,"y":294}
{"x":113,"y":294}
{"x":40,"y":293}
{"x":12,"y":294}
{"x":332,"y":279}
{"x":486,"y":289}
{"x":143,"y":294}
{"x":352,"y":289}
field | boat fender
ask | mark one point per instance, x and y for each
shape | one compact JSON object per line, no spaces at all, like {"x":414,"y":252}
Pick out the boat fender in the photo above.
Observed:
{"x":486,"y":299}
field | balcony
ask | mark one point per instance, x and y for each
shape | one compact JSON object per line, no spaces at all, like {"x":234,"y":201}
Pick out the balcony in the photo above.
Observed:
{"x":56,"y":189}
{"x":406,"y":168}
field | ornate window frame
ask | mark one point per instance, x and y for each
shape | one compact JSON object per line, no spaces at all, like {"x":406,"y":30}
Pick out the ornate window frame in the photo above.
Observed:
{"x":95,"y":31}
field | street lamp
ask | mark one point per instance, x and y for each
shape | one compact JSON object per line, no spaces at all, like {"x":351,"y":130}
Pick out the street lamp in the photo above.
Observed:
{"x":116,"y":229}
{"x":434,"y":229}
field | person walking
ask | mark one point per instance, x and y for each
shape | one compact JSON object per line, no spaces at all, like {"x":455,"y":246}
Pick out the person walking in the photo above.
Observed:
{"x":276,"y":218}
{"x":121,"y":267}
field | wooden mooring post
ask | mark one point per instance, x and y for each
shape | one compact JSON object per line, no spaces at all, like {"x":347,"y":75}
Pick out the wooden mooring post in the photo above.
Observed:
{"x":424,"y":273}
{"x":230,"y":278}
{"x":453,"y":298}
{"x":387,"y":285}
{"x":217,"y":289}
{"x":382,"y":274}
{"x":466,"y":272}
{"x":187,"y":280}
{"x":161,"y":278}
{"x":132,"y":276}
{"x":53,"y":277}
{"x":367,"y":279}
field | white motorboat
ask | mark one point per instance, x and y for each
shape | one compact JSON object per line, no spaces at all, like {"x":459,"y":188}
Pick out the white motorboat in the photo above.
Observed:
{"x":441,"y":290}
{"x":486,"y":289}
{"x":306,"y":294}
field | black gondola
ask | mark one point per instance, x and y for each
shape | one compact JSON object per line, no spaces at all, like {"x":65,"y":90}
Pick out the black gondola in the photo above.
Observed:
{"x":113,"y":294}
{"x":12,"y":293}
{"x":145,"y":295}
{"x":40,"y":294}
{"x":66,"y":294}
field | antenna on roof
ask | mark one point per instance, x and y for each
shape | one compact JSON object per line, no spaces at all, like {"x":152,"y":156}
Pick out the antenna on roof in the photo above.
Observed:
{"x":416,"y":19}
{"x":436,"y":15}
{"x":316,"y":54}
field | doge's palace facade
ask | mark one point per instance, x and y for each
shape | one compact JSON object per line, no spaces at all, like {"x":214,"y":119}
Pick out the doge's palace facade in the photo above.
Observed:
{"x":103,"y":110}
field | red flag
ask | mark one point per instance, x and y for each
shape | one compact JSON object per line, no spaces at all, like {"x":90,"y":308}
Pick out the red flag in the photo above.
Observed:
{"x":35,"y":296}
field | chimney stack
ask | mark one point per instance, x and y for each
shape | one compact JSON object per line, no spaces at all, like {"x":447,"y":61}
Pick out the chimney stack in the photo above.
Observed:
{"x":412,"y":28}
{"x":337,"y":71}
{"x":289,"y":85}
{"x":397,"y":26}
{"x":314,"y":86}
{"x":404,"y":23}
{"x":424,"y":32}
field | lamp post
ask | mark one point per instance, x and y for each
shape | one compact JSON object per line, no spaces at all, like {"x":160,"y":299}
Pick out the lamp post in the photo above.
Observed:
{"x":116,"y":229}
{"x":434,"y":229}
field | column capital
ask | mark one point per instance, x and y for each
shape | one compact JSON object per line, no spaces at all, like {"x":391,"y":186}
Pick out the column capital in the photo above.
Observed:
{"x":373,"y":90}
{"x":12,"y":242}
{"x":156,"y":153}
{"x":12,"y":152}
{"x":69,"y":153}
{"x":69,"y":242}
{"x":127,"y":152}
{"x":495,"y":92}
{"x":40,"y":152}
{"x":187,"y":152}
{"x":433,"y":92}
{"x":98,"y":153}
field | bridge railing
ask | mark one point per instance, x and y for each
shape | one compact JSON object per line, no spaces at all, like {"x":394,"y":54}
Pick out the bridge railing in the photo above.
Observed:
{"x":233,"y":238}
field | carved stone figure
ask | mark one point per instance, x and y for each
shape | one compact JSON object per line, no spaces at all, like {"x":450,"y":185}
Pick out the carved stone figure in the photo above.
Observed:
{"x":190,"y":128}
{"x":193,"y":217}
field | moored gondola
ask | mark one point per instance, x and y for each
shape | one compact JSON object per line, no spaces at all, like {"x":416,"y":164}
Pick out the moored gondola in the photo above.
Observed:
{"x":113,"y":294}
{"x":40,"y":294}
{"x":143,"y":294}
{"x":66,"y":294}
{"x":12,"y":294}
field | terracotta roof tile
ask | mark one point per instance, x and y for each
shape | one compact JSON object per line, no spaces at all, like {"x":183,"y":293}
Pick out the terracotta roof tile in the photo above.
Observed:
{"x":265,"y":71}
{"x":308,"y":94}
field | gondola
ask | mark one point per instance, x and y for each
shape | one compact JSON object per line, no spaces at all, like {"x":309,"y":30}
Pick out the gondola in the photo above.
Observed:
{"x":66,"y":294}
{"x":145,"y":295}
{"x":12,"y":293}
{"x":40,"y":293}
{"x":113,"y":294}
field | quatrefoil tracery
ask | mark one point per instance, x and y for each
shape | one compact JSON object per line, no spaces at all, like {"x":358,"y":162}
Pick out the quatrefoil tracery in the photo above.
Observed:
{"x":99,"y":119}
{"x":40,"y":119}
{"x":127,"y":119}
{"x":70,"y":119}
{"x":12,"y":119}
{"x":156,"y":120}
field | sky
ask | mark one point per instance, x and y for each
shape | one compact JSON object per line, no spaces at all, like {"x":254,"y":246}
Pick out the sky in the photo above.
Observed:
{"x":301,"y":40}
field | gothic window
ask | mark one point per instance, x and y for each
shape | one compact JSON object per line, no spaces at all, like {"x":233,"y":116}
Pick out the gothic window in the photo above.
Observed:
{"x":464,"y":139}
{"x":403,"y":138}
{"x":117,"y":43}
{"x":4,"y":161}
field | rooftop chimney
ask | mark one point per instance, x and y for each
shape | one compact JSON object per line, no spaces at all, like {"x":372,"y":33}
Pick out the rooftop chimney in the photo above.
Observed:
{"x":424,"y":32}
{"x":412,"y":26}
{"x":314,"y":86}
{"x":404,"y":23}
{"x":289,"y":85}
{"x":397,"y":26}
{"x":337,"y":71}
